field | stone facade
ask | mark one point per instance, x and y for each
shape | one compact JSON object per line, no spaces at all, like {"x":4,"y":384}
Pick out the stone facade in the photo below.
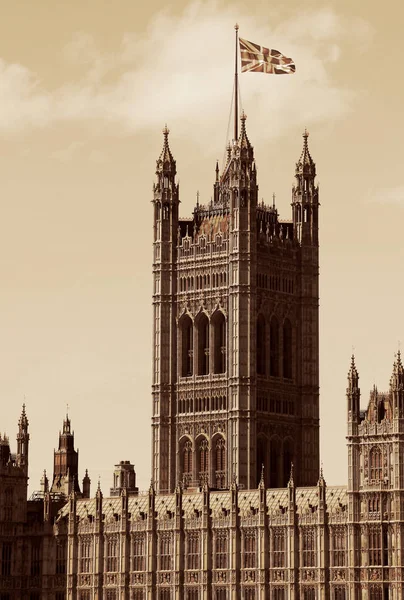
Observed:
{"x":237,"y":508}
{"x":235,"y":329}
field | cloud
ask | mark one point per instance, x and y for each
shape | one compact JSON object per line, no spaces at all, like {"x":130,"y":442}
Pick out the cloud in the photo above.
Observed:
{"x":180,"y":71}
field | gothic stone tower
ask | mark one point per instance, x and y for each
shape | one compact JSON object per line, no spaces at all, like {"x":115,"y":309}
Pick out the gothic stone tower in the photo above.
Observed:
{"x":235,"y":363}
{"x":65,"y":463}
{"x":375,"y":488}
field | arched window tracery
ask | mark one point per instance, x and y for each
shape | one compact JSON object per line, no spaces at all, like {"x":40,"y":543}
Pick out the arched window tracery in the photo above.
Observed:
{"x":186,"y":337}
{"x":202,"y":330}
{"x":219,"y":342}
{"x":375,"y":464}
{"x":287,"y":350}
{"x":261,"y":345}
{"x":274,"y":347}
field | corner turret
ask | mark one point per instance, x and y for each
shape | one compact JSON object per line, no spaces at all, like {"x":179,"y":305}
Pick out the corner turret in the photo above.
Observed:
{"x":305,"y":198}
{"x":22,"y":440}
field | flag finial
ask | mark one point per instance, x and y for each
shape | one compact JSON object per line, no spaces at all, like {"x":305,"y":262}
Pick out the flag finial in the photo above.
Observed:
{"x":236,"y":27}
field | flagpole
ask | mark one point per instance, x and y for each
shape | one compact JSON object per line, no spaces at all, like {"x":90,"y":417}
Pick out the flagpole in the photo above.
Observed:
{"x":236,"y":88}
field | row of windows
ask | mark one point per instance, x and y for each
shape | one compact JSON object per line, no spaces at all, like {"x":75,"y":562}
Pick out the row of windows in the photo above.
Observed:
{"x":378,"y":553}
{"x":248,"y":593}
{"x":209,"y":345}
{"x":201,"y":282}
{"x":275,"y":405}
{"x":279,"y":337}
{"x":190,"y":405}
{"x":275,"y":283}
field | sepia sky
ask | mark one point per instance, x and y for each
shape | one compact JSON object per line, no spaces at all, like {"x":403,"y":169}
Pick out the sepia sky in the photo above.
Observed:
{"x":86,"y":87}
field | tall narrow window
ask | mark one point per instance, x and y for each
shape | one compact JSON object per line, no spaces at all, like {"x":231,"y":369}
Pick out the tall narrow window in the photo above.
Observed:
{"x":287,"y":350}
{"x":61,"y":558}
{"x":6,"y":559}
{"x":202,"y":327}
{"x":36,"y":558}
{"x":261,"y":343}
{"x":86,"y":555}
{"x":187,"y":346}
{"x":278,"y":593}
{"x":278,"y":548}
{"x":8,"y":504}
{"x":186,"y":460}
{"x":274,"y":347}
{"x":138,"y":552}
{"x":203,"y":460}
{"x":308,"y":547}
{"x":165,"y":552}
{"x":339,"y":593}
{"x":193,"y":550}
{"x":249,"y":550}
{"x":112,"y":554}
{"x":375,"y":464}
{"x":221,"y":549}
{"x":220,"y":463}
{"x":219,"y":342}
{"x":375,"y":546}
{"x":339,"y":547}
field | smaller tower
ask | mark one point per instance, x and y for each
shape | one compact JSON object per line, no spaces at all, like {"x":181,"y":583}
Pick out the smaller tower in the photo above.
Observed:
{"x":86,"y":485}
{"x":22,"y":441}
{"x":124,"y":479}
{"x":66,"y":461}
{"x":165,"y":205}
{"x":305,"y":197}
{"x":397,"y":389}
{"x":353,"y":398}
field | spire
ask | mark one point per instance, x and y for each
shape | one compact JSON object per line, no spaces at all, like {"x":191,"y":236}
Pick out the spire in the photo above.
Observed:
{"x":353,"y":373}
{"x":23,"y":421}
{"x":166,"y":156}
{"x":306,"y":165}
{"x":66,"y":425}
{"x":217,"y":171}
{"x":98,"y":493}
{"x":291,"y":481}
{"x":244,"y":142}
{"x":397,"y":377}
{"x":22,"y":440}
{"x":353,"y":393}
{"x":321,"y":480}
{"x":261,"y":484}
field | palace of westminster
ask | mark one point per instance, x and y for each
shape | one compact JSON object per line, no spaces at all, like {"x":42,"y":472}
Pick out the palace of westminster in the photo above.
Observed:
{"x":238,"y":507}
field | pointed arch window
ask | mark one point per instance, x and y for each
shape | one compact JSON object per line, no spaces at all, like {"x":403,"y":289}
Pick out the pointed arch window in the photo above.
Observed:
{"x":203,"y":460}
{"x":220,"y":462}
{"x":261,"y":343}
{"x":186,"y":346}
{"x":287,"y":349}
{"x":186,"y":459}
{"x":202,"y":328}
{"x":219,"y":342}
{"x":274,"y":348}
{"x":375,"y":464}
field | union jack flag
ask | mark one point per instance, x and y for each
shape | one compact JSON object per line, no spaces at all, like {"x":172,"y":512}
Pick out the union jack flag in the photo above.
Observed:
{"x":263,"y":60}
